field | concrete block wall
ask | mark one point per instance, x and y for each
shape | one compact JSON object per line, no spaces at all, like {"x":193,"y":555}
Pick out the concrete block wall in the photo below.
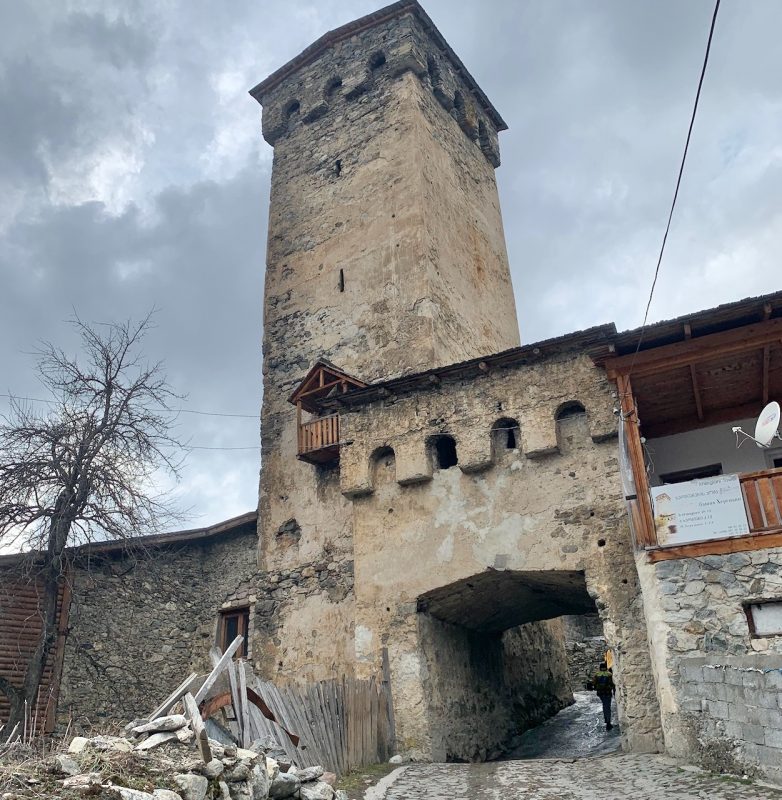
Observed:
{"x":733,"y":709}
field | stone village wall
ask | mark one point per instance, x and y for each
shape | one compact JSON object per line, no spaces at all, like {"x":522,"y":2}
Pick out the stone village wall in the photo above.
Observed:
{"x":585,"y":647}
{"x":720,"y":689}
{"x":553,"y":503}
{"x":139,"y":623}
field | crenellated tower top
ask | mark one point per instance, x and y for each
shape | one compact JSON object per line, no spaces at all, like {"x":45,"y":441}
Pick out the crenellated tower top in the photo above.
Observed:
{"x":346,"y":62}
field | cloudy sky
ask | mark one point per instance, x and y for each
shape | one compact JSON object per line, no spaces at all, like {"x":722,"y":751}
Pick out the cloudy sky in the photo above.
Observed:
{"x":133,"y":175}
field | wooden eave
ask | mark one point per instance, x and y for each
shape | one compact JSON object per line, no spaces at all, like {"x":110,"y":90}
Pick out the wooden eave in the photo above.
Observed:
{"x":321,"y":381}
{"x":726,"y":317}
{"x":705,"y":380}
{"x":594,"y":342}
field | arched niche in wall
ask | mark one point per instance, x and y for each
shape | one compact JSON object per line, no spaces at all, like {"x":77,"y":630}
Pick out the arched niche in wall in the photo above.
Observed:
{"x":505,"y":437}
{"x":382,"y":466}
{"x":572,"y":426}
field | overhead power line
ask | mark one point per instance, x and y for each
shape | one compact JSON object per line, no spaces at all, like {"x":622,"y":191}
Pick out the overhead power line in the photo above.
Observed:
{"x":172,"y":410}
{"x":678,"y":179}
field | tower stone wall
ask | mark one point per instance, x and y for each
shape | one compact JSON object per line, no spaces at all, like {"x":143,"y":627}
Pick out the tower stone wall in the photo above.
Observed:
{"x":386,"y":255}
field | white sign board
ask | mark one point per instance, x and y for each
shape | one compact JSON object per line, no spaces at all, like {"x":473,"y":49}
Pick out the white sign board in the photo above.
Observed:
{"x":708,"y":508}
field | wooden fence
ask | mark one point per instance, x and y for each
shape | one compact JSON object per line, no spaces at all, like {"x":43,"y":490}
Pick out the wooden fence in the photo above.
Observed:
{"x":342,"y":724}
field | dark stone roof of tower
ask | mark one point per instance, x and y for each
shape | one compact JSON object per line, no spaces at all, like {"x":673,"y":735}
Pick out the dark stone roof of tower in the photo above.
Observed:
{"x":370,"y":20}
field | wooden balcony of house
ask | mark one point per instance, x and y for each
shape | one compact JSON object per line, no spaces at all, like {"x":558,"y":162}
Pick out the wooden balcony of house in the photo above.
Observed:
{"x":762,"y":493}
{"x":319,"y":439}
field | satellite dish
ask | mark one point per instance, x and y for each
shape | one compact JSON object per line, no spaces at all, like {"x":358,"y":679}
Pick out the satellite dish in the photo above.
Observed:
{"x":766,"y":428}
{"x":767,"y":424}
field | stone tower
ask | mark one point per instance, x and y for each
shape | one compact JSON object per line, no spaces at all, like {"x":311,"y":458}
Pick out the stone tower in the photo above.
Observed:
{"x":386,"y":255}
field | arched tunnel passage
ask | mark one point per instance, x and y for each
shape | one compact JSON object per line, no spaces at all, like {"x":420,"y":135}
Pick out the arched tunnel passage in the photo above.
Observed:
{"x":497,"y":600}
{"x":495,"y":649}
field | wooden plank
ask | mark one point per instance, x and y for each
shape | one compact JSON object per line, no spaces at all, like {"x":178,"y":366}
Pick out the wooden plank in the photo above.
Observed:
{"x":197,"y":724}
{"x":696,"y":392}
{"x":267,"y":691}
{"x":770,"y":512}
{"x":387,"y":686}
{"x":716,"y":547}
{"x":243,"y":713}
{"x":173,"y":698}
{"x":328,"y":725}
{"x":776,"y":484}
{"x":763,"y":473}
{"x":752,"y":505}
{"x":235,"y":701}
{"x":764,"y":378}
{"x":218,"y":668}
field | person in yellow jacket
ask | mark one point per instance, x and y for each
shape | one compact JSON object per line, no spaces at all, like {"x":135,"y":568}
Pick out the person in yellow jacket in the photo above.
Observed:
{"x":603,"y":683}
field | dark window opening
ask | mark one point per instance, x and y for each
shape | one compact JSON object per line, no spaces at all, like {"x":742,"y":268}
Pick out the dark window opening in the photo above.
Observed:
{"x":232,"y":624}
{"x":434,"y":71}
{"x":334,"y":85}
{"x":708,"y":471}
{"x":293,"y":108}
{"x":445,"y":452}
{"x":776,"y":462}
{"x":342,"y":280}
{"x":572,"y":409}
{"x":505,"y":434}
{"x":377,"y":61}
{"x":338,"y":167}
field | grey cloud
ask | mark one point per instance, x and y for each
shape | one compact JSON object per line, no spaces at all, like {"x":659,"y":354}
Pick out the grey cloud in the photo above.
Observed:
{"x":597,"y":96}
{"x":114,"y":41}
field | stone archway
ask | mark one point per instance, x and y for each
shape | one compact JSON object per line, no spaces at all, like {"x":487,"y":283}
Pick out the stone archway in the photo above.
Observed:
{"x":495,"y":658}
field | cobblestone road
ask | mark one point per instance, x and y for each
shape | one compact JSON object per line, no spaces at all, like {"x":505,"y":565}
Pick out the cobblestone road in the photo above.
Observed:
{"x":635,"y":777}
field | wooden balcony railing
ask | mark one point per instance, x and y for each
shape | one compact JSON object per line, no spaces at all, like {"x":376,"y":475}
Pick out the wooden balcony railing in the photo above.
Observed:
{"x":762,"y":493}
{"x":763,"y":499}
{"x":319,"y":439}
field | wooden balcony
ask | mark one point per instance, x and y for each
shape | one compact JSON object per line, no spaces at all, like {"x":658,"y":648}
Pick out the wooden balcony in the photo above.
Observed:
{"x":319,"y":439}
{"x":762,"y":493}
{"x":763,"y":499}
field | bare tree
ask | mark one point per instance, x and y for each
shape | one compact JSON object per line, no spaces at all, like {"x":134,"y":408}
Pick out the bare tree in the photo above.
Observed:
{"x":84,"y":468}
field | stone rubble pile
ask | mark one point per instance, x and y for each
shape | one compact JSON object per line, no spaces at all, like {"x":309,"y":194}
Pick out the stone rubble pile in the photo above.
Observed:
{"x":167,"y":746}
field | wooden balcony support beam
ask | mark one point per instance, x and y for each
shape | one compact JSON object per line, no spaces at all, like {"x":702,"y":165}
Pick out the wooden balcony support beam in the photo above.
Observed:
{"x":645,"y":532}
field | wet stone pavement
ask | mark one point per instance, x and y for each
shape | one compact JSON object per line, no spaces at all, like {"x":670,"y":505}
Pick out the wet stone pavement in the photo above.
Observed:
{"x":569,"y":757}
{"x":577,"y":731}
{"x":637,"y":777}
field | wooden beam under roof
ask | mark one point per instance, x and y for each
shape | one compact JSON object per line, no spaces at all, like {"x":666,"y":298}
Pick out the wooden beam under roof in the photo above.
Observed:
{"x":765,"y":377}
{"x":692,"y":351}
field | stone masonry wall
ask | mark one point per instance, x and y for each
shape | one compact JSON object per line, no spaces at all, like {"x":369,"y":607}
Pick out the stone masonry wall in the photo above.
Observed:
{"x":731,"y":708}
{"x":695,"y":611}
{"x":484,"y":688}
{"x":585,"y":646}
{"x":552,"y":503}
{"x":139,"y":623}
